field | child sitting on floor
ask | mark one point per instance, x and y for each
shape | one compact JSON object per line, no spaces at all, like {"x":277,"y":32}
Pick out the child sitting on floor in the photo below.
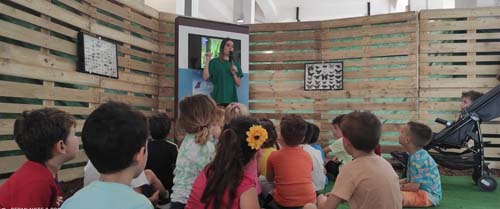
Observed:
{"x":114,"y":138}
{"x":369,"y":181}
{"x":47,"y":138}
{"x":290,"y":168}
{"x":224,"y":183}
{"x":318,"y":173}
{"x":197,"y":116}
{"x":340,"y":156}
{"x":422,"y":186}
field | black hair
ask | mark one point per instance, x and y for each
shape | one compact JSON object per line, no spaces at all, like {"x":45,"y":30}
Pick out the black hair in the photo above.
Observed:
{"x":112,"y":135}
{"x":159,"y":126}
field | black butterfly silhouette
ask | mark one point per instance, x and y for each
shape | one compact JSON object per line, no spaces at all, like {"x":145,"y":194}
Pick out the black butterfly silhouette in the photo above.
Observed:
{"x":317,"y":76}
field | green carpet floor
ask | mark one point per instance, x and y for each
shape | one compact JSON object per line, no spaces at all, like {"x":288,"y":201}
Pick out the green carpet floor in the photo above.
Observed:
{"x":460,"y":193}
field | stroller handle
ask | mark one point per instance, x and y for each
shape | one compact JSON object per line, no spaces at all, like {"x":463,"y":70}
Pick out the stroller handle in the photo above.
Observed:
{"x":443,"y":121}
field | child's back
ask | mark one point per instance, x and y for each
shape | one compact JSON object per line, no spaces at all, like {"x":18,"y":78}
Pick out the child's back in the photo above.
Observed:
{"x":107,"y":195}
{"x":114,"y":138}
{"x":291,"y":167}
{"x":369,"y":182}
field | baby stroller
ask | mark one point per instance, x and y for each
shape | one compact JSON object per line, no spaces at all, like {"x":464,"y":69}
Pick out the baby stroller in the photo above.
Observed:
{"x":457,"y":135}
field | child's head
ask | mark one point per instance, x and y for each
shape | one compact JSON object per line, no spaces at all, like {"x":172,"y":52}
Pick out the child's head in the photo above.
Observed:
{"x":239,"y":142}
{"x":114,"y":138}
{"x":219,"y":123}
{"x":361,"y":131}
{"x":234,"y":110}
{"x":293,"y":129}
{"x":271,"y":133}
{"x":197,"y":115}
{"x":415,"y":133}
{"x":312,"y":133}
{"x":468,"y":97}
{"x":159,"y":126}
{"x":337,"y":133}
{"x":46,"y":133}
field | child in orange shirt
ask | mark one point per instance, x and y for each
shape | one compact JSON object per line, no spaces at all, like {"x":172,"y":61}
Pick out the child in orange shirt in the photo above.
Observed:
{"x":291,"y":167}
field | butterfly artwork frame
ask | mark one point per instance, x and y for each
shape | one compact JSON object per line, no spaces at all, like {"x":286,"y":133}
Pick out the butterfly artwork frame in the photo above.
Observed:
{"x":324,"y":76}
{"x":97,"y":56}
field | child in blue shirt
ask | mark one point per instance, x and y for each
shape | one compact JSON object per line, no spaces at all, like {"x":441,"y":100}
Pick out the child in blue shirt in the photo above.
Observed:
{"x":422,"y":187}
{"x":114,"y":138}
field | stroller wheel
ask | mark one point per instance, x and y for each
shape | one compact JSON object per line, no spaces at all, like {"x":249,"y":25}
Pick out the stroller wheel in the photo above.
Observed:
{"x":487,"y":183}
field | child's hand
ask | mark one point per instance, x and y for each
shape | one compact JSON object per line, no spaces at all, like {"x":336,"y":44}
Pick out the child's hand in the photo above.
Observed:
{"x":335,"y":159}
{"x":208,"y":55}
{"x":402,"y":181}
{"x":155,"y":197}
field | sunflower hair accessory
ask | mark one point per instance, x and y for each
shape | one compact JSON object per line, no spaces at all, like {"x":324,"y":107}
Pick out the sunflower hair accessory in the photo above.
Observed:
{"x":256,"y":136}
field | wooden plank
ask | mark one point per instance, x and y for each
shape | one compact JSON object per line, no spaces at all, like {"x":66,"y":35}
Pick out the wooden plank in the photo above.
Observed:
{"x":459,"y":70}
{"x":426,"y":36}
{"x":12,"y":163}
{"x":374,"y":19}
{"x":70,"y":174}
{"x":138,"y":79}
{"x":370,"y":52}
{"x":12,"y":68}
{"x":373,"y":31}
{"x":17,"y":32}
{"x":19,"y":14}
{"x":169,"y":50}
{"x":459,"y":25}
{"x":13,"y":89}
{"x":406,"y":38}
{"x":57,"y":13}
{"x":456,"y":92}
{"x":167,"y":17}
{"x":410,"y":106}
{"x":167,"y":82}
{"x":439,"y":106}
{"x":459,"y":13}
{"x":352,"y":93}
{"x":141,"y":7}
{"x":127,"y":86}
{"x":122,"y":37}
{"x":167,"y":27}
{"x":132,"y":100}
{"x":285,"y":57}
{"x":124,"y":13}
{"x":460,"y":47}
{"x":459,"y":82}
{"x":266,"y":27}
{"x":33,"y":57}
{"x":283,"y":46}
{"x":142,"y":66}
{"x":449,"y":58}
{"x":166,"y":92}
{"x":379,"y":73}
{"x":286,"y":36}
{"x":150,"y":56}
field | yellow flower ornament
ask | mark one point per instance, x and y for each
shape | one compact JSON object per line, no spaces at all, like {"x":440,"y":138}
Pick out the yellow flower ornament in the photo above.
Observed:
{"x":256,"y":136}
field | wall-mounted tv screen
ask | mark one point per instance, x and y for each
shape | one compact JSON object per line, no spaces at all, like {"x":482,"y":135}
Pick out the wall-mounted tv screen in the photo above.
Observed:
{"x":199,"y":45}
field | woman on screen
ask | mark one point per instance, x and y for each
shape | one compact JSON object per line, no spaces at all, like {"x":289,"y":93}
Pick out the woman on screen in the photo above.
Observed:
{"x":225,"y":74}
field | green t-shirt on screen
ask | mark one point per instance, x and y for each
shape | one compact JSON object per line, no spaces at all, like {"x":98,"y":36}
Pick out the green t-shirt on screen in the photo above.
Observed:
{"x":224,"y":86}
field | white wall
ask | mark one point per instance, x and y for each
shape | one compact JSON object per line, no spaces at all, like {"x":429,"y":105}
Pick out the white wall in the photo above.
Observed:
{"x":163,"y":5}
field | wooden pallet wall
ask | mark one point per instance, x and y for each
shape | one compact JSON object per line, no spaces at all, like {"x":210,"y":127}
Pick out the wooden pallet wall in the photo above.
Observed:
{"x":380,"y":70}
{"x":38,"y":55}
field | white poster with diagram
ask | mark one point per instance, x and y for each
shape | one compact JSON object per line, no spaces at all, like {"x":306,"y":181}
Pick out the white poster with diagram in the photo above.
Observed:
{"x":99,"y":56}
{"x":324,"y":76}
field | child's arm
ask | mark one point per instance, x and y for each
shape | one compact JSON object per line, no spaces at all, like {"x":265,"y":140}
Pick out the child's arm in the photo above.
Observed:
{"x":410,"y":187}
{"x":326,"y":150}
{"x":249,"y":200}
{"x":330,"y":202}
{"x":402,"y":181}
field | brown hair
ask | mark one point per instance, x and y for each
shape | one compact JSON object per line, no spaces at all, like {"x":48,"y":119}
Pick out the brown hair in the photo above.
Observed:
{"x":293,"y":129}
{"x":271,"y":133}
{"x":362,"y":129}
{"x":472,"y":95}
{"x":234,"y":110}
{"x":419,"y":133}
{"x":36,"y":132}
{"x":197,"y":114}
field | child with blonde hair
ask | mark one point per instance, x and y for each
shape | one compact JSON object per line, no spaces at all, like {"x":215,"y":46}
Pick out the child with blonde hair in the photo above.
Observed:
{"x":197,"y":116}
{"x":234,"y":110}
